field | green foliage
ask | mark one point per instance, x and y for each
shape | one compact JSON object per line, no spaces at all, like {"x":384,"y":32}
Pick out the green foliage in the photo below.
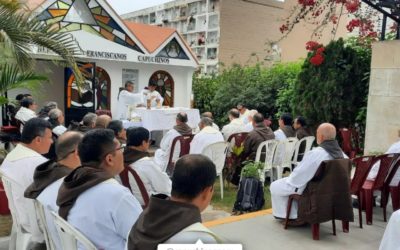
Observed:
{"x":336,"y":90}
{"x":254,"y":86}
{"x":252,"y":169}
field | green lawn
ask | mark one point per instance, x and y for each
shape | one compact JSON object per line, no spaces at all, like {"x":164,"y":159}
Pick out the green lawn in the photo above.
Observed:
{"x":230,"y":191}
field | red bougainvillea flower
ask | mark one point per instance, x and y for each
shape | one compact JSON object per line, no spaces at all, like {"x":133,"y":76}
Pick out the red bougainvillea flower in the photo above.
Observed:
{"x":283,"y":28}
{"x":317,"y":59}
{"x":352,"y":5}
{"x":353,"y":24}
{"x":311,"y":45}
{"x":320,"y":50}
{"x":307,"y":2}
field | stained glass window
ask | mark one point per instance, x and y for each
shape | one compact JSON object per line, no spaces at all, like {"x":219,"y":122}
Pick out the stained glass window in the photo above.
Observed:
{"x":173,"y":50}
{"x":87,"y":15}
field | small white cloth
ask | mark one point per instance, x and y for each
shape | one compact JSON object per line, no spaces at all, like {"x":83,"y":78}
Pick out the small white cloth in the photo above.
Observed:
{"x":235,"y":126}
{"x":298,"y":179}
{"x":208,"y":135}
{"x":154,"y":180}
{"x":59,"y":130}
{"x":390,"y":240}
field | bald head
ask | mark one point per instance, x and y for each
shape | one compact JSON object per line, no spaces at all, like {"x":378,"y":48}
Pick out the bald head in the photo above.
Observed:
{"x":326,"y":131}
{"x":102,"y":121}
{"x":67,"y":143}
{"x":207,"y":114}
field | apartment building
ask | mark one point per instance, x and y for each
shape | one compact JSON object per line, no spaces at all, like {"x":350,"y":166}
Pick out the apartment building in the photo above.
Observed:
{"x":223,"y":32}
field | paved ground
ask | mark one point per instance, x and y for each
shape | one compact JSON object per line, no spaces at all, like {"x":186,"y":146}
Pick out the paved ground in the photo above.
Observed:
{"x":264,"y":232}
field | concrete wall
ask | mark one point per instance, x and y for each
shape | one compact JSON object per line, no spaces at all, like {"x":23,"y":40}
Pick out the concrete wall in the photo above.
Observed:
{"x":383,"y":123}
{"x":248,"y":27}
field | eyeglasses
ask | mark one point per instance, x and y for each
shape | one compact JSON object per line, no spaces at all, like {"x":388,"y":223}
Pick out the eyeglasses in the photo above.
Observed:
{"x":115,"y":150}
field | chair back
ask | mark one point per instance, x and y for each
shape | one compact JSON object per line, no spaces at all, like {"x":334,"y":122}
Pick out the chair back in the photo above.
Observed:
{"x":184,"y":141}
{"x":7,"y":182}
{"x":103,"y":112}
{"x":289,"y":148}
{"x":345,"y":134}
{"x":217,"y":153}
{"x":363,"y":165}
{"x":238,"y":138}
{"x":124,"y":175}
{"x":386,"y":164}
{"x":50,"y":245}
{"x":327,"y":196}
{"x":70,"y":237}
{"x":307,"y":142}
{"x":267,"y":150}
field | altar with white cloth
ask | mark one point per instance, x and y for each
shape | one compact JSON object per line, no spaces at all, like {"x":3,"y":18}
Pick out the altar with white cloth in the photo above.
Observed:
{"x":156,"y":119}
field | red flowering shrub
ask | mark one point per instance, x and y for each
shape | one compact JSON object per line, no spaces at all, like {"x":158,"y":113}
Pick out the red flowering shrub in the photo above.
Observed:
{"x":317,"y":50}
{"x":317,"y":59}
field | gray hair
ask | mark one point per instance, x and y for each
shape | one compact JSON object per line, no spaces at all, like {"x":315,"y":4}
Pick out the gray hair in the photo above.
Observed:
{"x":51,"y":105}
{"x":55,"y":113}
{"x":206,"y":121}
{"x":89,"y":119}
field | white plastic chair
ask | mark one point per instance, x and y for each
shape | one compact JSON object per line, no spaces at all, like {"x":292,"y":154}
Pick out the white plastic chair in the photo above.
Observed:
{"x":20,"y":238}
{"x":283,"y":155}
{"x":266,"y":148}
{"x":217,"y":153}
{"x":43,"y":225}
{"x":309,"y":142}
{"x":70,"y":237}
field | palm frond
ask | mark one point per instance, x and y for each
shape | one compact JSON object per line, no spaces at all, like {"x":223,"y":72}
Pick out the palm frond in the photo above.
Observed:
{"x":12,"y":77}
{"x":19,"y":33}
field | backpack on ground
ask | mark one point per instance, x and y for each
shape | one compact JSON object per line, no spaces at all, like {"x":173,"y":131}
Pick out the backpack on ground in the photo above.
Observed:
{"x":250,"y":196}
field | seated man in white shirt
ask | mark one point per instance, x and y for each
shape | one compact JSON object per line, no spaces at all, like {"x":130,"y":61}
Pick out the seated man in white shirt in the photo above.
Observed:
{"x":20,"y":164}
{"x":49,"y":176}
{"x":136,"y":156}
{"x":328,"y":149}
{"x":56,"y":118}
{"x":153,"y":95}
{"x":207,"y":135}
{"x":26,"y":111}
{"x":248,"y":127}
{"x":236,"y":125}
{"x":393,"y":149}
{"x":177,"y":220}
{"x":161,"y":156}
{"x":285,"y":127}
{"x":91,"y":200}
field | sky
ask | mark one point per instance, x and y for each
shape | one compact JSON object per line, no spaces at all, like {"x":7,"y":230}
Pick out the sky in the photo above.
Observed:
{"x":125,"y":6}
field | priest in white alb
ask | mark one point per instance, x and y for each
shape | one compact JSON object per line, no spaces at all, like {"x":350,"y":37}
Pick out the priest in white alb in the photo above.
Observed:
{"x":153,"y":95}
{"x":126,"y":98}
{"x":235,"y":125}
{"x":328,"y":149}
{"x":161,"y":156}
{"x":207,"y":135}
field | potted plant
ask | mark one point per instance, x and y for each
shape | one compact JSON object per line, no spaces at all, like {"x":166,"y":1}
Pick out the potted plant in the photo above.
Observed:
{"x":252,"y":169}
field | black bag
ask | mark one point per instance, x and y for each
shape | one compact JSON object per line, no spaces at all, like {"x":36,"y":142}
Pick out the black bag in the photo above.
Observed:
{"x":250,"y":196}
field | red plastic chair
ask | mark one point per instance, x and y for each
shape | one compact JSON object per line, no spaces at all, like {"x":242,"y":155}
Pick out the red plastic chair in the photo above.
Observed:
{"x":184,"y":141}
{"x":103,"y":112}
{"x":363,"y":165}
{"x":124,"y":175}
{"x":4,"y":210}
{"x":395,"y":195}
{"x":346,"y":135}
{"x":233,"y":160}
{"x":388,"y":165}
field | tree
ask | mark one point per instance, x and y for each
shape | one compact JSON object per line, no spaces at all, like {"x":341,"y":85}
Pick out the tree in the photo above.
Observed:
{"x":335,"y":90}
